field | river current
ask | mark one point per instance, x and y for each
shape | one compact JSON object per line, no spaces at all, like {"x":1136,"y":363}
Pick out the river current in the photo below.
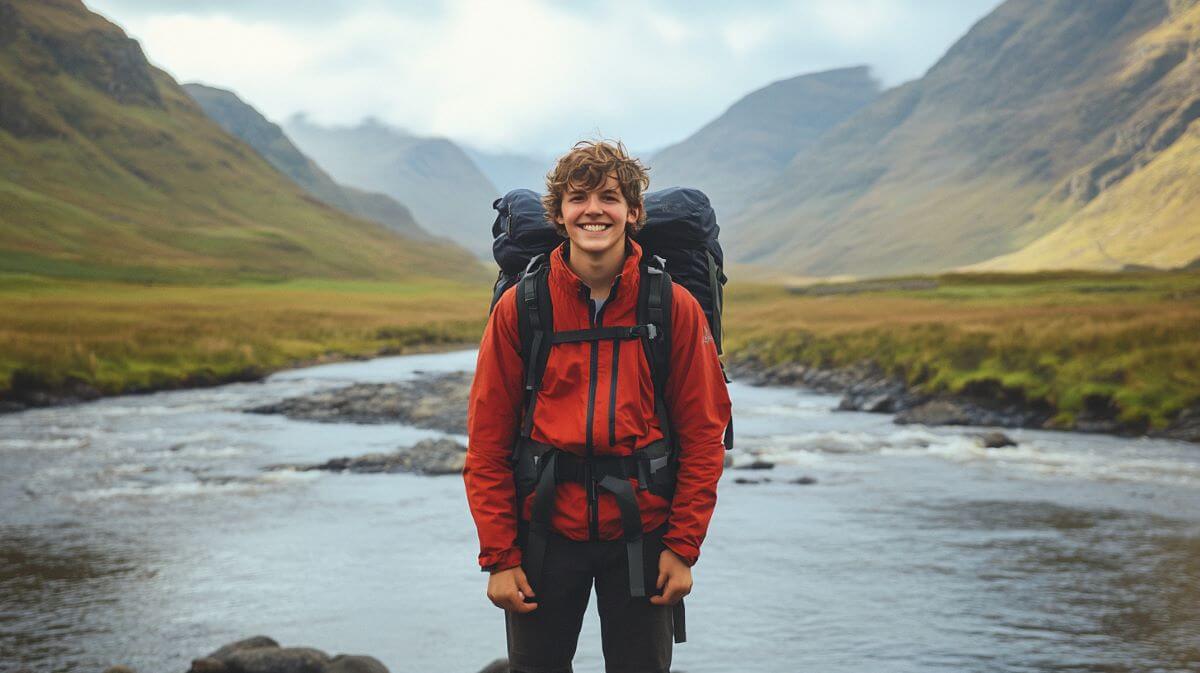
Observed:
{"x":144,"y":530}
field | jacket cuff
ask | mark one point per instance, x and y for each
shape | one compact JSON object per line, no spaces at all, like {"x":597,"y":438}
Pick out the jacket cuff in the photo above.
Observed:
{"x":509,"y":558}
{"x":685,"y":552}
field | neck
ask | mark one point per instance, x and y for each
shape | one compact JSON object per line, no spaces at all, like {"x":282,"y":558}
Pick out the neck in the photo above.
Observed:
{"x":598,"y":271}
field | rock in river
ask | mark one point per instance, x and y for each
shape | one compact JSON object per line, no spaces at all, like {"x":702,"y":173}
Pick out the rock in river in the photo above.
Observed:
{"x":437,"y":401}
{"x":428,"y":456}
{"x":261,"y":654}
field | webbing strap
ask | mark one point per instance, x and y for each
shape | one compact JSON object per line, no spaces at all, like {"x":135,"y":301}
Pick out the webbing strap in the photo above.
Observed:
{"x":608,"y":472}
{"x":535,"y":309}
{"x":605,"y":333}
{"x":631,"y":522}
{"x":539,"y":521}
{"x":656,"y":314}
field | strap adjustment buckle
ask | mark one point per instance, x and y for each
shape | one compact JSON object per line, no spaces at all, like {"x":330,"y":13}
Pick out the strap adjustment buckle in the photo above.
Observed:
{"x":649,"y":330}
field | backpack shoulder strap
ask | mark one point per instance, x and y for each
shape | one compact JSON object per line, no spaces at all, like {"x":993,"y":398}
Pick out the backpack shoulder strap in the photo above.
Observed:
{"x":535,"y":325}
{"x":654,"y":308}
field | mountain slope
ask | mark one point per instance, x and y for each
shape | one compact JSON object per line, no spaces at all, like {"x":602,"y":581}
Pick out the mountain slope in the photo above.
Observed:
{"x":954,"y":168}
{"x":756,"y":138}
{"x":434,"y":177}
{"x":108,"y":169}
{"x":1139,"y":204}
{"x":243,"y":121}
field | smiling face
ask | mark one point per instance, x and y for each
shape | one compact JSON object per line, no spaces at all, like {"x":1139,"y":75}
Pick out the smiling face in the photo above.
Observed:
{"x":595,"y":220}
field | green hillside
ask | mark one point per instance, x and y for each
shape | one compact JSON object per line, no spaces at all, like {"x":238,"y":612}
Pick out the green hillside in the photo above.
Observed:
{"x":243,"y":121}
{"x":109,"y":170}
{"x":970,"y":161}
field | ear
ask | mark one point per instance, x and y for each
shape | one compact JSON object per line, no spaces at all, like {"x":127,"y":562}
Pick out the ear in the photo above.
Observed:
{"x":561,"y":220}
{"x":633,"y":215}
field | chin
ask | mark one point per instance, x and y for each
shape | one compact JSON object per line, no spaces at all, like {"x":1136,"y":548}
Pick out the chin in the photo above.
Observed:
{"x":594,"y":245}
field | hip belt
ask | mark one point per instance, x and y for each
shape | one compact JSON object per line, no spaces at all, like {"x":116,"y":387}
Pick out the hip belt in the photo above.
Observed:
{"x":539,"y":468}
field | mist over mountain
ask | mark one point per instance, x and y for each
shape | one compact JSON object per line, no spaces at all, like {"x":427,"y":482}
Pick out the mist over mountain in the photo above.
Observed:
{"x":268,"y":139}
{"x":731,"y":157}
{"x":434,"y":177}
{"x":1040,"y":108}
{"x":508,"y":170}
{"x":108,"y":169}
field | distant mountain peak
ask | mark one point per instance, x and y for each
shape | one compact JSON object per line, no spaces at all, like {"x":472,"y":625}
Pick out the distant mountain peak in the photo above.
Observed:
{"x":433,"y":176}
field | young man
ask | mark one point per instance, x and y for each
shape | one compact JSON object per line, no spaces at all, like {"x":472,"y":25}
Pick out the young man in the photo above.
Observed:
{"x":595,"y":404}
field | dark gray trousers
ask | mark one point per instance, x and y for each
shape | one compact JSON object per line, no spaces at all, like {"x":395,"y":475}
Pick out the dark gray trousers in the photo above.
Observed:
{"x":636,"y":636}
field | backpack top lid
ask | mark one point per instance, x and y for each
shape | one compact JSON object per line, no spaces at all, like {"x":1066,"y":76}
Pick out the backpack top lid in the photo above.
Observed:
{"x":521,"y":230}
{"x":681,"y":228}
{"x":680,"y":217}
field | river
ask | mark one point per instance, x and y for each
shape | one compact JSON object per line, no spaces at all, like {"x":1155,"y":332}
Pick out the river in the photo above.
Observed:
{"x":144,"y":530}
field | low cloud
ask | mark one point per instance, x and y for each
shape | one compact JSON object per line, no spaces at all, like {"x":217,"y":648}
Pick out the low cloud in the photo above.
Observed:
{"x":530,"y":75}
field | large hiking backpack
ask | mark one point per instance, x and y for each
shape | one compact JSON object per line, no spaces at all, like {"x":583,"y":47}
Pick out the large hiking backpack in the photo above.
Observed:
{"x":681,"y":229}
{"x":679,"y":245}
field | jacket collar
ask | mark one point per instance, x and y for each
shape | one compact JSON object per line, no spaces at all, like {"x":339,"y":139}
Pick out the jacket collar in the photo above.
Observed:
{"x":563,"y":275}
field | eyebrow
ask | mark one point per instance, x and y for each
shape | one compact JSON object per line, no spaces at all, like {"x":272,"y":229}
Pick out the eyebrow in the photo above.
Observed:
{"x":584,"y":191}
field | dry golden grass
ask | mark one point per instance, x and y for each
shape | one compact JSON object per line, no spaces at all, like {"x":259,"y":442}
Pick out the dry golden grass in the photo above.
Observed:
{"x":119,"y":337}
{"x":1072,"y":340}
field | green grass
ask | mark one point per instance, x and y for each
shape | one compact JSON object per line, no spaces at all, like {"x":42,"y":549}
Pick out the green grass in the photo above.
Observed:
{"x":1069,"y":340}
{"x":122,"y":337}
{"x":1066,"y":339}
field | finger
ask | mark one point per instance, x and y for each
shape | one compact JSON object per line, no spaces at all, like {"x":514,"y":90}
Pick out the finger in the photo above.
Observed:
{"x":662,"y":578}
{"x":674,"y":592}
{"x":663,"y":598}
{"x":523,"y":585}
{"x":518,"y":604}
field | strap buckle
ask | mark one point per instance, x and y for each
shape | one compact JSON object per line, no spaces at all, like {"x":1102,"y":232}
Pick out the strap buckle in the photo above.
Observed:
{"x":649,"y":330}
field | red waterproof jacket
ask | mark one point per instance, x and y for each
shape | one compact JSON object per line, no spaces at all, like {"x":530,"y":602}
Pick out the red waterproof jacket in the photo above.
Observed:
{"x":621,"y":388}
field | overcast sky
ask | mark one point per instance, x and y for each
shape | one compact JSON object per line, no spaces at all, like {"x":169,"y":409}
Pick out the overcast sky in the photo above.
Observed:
{"x":530,"y":75}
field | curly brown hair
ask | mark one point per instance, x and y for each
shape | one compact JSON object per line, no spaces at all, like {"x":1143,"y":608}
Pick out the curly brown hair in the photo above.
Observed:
{"x":587,"y":166}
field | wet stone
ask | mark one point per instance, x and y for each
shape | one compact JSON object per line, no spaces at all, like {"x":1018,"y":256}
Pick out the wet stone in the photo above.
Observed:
{"x":435,"y":401}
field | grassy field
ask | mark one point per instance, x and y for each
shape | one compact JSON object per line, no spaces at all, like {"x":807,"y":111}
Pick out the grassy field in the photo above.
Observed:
{"x":119,"y":337}
{"x":1123,"y":341}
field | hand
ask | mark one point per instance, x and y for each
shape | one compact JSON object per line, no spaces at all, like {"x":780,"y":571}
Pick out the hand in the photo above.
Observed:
{"x":674,"y":578}
{"x":507,"y":589}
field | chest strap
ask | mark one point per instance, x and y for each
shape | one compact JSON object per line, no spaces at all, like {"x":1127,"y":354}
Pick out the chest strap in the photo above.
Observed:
{"x":605,"y":334}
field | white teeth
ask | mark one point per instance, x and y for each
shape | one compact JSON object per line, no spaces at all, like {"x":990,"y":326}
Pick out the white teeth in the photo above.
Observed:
{"x":594,"y":227}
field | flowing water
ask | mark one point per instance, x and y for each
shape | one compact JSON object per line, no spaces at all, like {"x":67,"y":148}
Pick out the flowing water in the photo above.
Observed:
{"x":145,"y":530}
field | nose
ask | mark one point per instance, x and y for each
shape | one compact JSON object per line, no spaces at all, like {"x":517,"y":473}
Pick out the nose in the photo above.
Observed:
{"x":593,"y":205}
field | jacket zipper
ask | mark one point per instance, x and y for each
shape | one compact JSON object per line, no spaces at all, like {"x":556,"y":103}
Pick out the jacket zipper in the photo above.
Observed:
{"x":612,"y":393}
{"x":589,"y":483}
{"x":596,"y":320}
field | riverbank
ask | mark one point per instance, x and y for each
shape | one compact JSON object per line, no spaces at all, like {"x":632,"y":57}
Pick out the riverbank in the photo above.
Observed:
{"x":67,"y":341}
{"x":866,"y":387}
{"x":1091,"y":352}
